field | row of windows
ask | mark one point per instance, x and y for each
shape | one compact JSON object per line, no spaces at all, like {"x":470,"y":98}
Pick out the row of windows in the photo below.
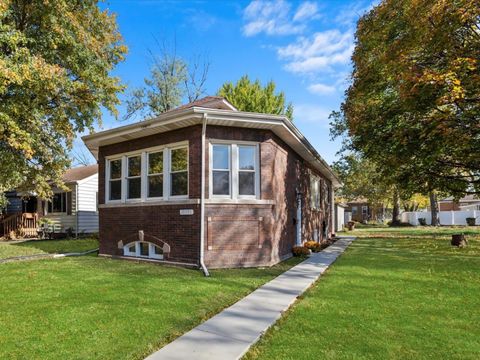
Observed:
{"x":148,"y":175}
{"x":163,"y":173}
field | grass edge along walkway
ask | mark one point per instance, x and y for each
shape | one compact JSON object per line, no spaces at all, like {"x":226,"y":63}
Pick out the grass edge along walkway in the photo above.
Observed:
{"x":229,"y":334}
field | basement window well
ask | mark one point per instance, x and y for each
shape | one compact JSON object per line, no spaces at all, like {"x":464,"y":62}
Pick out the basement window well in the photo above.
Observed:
{"x":143,"y":249}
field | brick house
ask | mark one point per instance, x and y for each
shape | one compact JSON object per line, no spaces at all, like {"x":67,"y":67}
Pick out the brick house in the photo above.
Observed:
{"x":264,"y":188}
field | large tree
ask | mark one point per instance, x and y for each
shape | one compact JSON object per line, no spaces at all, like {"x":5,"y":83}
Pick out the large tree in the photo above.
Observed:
{"x":172,"y":79}
{"x":55,"y":61}
{"x":246,"y":95}
{"x":362,"y":180}
{"x":414,"y":103}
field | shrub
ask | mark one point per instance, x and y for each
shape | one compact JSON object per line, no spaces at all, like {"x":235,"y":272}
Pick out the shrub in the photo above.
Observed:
{"x":300,"y":251}
{"x":313,"y":245}
{"x":422,"y":221}
{"x":471,"y":221}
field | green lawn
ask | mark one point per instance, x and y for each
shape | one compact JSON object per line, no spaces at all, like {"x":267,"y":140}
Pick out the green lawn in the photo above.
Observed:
{"x":394,"y":294}
{"x":96,"y":308}
{"x":46,"y":247}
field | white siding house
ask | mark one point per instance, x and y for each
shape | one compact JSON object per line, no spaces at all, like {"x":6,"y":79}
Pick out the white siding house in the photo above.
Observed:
{"x":79,"y":214}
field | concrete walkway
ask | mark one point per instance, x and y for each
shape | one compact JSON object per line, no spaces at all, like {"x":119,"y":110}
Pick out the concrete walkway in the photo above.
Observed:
{"x":229,"y":334}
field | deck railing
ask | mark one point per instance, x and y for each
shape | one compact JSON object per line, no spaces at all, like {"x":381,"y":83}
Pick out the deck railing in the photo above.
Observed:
{"x":21,"y":224}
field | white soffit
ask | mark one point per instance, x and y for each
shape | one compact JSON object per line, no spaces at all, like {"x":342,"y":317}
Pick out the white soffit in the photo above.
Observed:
{"x":174,"y":120}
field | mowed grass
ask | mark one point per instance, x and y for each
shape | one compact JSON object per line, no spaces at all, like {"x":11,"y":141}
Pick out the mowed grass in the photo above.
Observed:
{"x":34,"y":247}
{"x":401,"y":293}
{"x":96,"y":308}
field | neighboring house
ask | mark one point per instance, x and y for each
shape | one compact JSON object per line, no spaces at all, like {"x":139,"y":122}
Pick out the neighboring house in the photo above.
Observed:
{"x":469,"y":202}
{"x":207,"y":184}
{"x":73,"y":211}
{"x":341,"y":216}
{"x":360,"y":210}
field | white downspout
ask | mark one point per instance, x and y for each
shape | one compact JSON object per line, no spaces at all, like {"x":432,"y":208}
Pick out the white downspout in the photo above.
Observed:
{"x":202,"y":200}
{"x":76,"y":210}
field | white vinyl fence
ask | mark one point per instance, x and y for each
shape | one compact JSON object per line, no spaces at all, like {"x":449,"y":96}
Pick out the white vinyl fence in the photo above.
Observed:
{"x":446,"y":217}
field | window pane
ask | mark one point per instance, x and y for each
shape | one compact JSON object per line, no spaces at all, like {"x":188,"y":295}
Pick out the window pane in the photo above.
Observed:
{"x":221,"y":183}
{"x":155,"y":186}
{"x":116,"y":190}
{"x":143,"y":248}
{"x":246,"y":183}
{"x":134,"y":188}
{"x":179,"y":159}
{"x":57,"y":202}
{"x":131,"y":249}
{"x":246,"y":157}
{"x":158,"y":250}
{"x":116,"y":169}
{"x":155,"y":163}
{"x":134,"y":165}
{"x":220,"y":157}
{"x":179,"y":183}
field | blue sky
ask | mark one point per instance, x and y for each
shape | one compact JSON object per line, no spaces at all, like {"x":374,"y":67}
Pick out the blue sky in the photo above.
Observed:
{"x":304,"y":46}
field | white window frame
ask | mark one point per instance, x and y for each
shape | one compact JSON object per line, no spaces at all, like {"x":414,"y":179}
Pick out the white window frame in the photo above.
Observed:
{"x":107,"y":180}
{"x":147,"y":175}
{"x":230,"y":171}
{"x":134,"y":177}
{"x":170,"y":172}
{"x":315,"y":198}
{"x":144,"y":174}
{"x":136,"y":253}
{"x":234,"y":169}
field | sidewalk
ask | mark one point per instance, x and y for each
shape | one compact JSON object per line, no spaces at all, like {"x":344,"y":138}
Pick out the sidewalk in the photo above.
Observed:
{"x":229,"y":334}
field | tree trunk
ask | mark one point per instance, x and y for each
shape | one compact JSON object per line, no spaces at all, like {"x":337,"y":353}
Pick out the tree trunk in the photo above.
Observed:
{"x":396,"y":209}
{"x":434,"y":208}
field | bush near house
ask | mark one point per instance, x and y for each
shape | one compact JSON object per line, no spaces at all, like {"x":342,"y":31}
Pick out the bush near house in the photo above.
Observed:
{"x":301,"y":251}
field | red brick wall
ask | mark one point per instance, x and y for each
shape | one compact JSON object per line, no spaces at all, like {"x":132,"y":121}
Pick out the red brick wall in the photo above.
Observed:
{"x":236,"y":234}
{"x":181,"y":232}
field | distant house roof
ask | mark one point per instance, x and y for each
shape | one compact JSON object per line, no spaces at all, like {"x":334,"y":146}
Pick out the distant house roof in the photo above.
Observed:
{"x":465,"y":199}
{"x":215,"y":111}
{"x":79,"y":173}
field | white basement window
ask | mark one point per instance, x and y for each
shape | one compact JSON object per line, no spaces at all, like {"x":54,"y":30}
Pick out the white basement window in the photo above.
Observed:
{"x":143,"y":249}
{"x":234,"y":170}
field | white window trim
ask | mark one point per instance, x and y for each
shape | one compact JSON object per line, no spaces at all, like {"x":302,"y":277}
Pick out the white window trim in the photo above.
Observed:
{"x":170,"y":172}
{"x":134,"y":177}
{"x":151,"y":250}
{"x":144,"y":174}
{"x":234,"y":169}
{"x":315,"y":198}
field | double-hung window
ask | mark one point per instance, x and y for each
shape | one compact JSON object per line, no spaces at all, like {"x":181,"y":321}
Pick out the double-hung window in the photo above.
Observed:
{"x":115,"y":179}
{"x":221,"y":170}
{"x":314,"y":192}
{"x":134,"y":177}
{"x":234,"y":170}
{"x":179,"y":171}
{"x":155,"y":174}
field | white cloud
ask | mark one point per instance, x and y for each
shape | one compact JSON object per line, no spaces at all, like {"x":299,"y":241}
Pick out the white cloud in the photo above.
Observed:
{"x":321,"y":89}
{"x":319,"y":52}
{"x":275,"y":17}
{"x":311,"y":113}
{"x":307,"y":10}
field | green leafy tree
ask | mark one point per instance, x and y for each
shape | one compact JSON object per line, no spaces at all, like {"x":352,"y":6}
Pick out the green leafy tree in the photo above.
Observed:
{"x":250,"y":96}
{"x":413,"y":106}
{"x":172,"y":79}
{"x":55,"y":61}
{"x":361,"y":180}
